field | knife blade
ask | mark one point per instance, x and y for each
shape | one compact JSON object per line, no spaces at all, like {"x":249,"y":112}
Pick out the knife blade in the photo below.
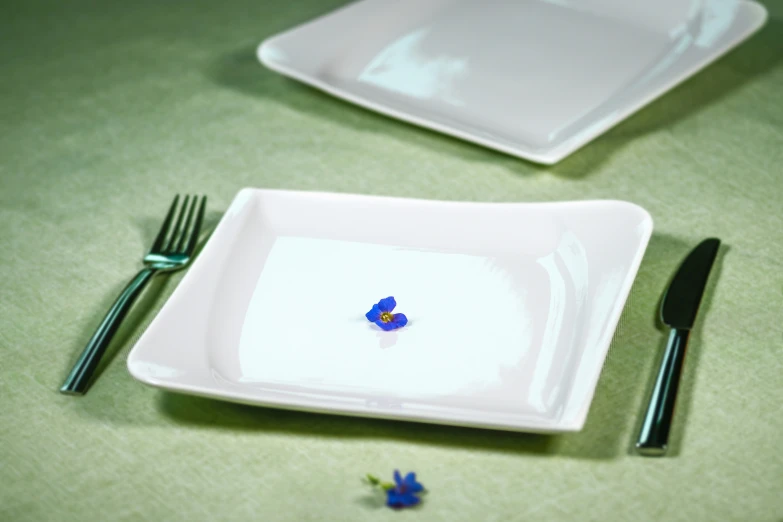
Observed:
{"x":679,"y":306}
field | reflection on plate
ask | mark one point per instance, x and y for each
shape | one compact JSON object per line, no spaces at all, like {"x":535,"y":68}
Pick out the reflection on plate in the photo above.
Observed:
{"x":512,"y":307}
{"x":536,"y":79}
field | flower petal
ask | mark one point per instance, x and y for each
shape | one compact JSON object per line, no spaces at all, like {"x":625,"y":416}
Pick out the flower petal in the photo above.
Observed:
{"x":409,"y":499}
{"x":374,"y":314}
{"x":399,"y":320}
{"x":397,"y":478}
{"x":415,"y":487}
{"x":400,"y":500}
{"x":387,"y":305}
{"x":393,"y":498}
{"x":410,"y":483}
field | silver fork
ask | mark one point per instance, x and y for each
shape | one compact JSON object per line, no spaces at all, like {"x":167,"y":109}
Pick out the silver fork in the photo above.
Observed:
{"x":172,"y":250}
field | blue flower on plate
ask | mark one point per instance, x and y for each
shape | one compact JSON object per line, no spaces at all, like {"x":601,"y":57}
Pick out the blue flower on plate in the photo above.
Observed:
{"x":381,"y":314}
{"x":403,"y":494}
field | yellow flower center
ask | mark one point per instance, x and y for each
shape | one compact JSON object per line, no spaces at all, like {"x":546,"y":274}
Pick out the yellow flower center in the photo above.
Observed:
{"x":387,"y":317}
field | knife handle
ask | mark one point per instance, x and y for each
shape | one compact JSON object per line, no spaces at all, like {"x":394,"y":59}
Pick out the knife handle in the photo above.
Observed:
{"x":654,"y":435}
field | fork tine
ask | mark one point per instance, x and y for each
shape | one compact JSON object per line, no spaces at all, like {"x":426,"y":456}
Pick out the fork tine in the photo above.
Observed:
{"x":175,"y":231}
{"x":191,"y":244}
{"x":158,"y":244}
{"x":183,"y":236}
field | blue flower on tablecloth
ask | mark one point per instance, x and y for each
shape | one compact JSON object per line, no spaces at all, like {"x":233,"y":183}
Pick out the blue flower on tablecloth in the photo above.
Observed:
{"x":403,"y":494}
{"x":381,"y":314}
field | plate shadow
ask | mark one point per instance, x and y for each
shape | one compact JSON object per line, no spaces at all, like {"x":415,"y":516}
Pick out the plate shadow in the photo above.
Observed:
{"x":608,"y":429}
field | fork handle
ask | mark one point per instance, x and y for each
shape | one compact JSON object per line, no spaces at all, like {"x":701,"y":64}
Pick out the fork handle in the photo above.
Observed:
{"x":78,"y":380}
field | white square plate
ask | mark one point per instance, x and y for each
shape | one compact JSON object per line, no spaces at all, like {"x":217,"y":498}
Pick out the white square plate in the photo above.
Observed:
{"x":533,"y":78}
{"x":511,"y":308}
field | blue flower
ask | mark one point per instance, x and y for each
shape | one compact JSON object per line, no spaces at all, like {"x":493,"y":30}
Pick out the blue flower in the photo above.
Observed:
{"x":403,"y":493}
{"x":381,"y":314}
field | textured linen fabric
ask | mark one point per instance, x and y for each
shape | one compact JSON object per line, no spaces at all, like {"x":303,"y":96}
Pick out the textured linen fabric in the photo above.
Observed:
{"x":109,"y":108}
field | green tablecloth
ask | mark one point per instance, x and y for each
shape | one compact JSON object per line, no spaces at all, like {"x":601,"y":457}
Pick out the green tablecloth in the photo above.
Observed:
{"x":109,"y":108}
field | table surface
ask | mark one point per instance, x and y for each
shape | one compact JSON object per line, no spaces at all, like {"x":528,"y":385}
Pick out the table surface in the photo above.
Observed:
{"x":108,"y":108}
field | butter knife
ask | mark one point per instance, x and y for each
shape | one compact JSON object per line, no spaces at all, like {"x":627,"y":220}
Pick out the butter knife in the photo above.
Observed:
{"x":678,"y":311}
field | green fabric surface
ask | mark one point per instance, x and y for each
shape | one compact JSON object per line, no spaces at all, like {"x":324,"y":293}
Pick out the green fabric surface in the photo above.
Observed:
{"x":109,"y":108}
